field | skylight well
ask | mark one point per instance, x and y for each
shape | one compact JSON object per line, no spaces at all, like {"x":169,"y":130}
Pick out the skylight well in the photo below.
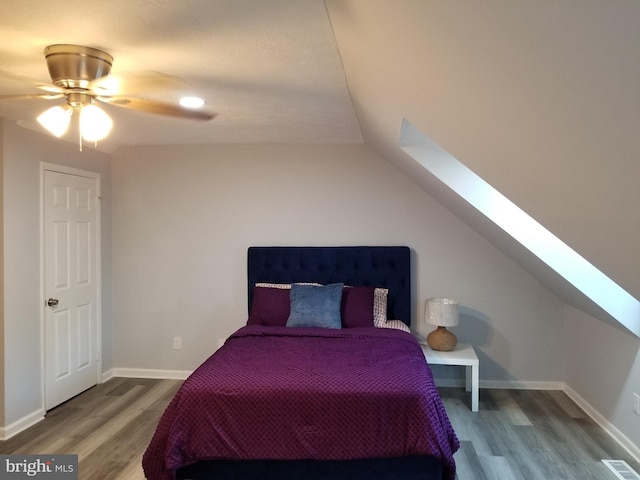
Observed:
{"x":607,"y":294}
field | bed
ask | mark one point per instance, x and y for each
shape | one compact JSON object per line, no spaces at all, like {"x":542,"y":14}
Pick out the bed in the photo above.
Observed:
{"x":290,"y":396}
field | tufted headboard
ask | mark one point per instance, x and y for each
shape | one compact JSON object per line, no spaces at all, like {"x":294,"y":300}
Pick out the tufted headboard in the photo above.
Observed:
{"x":386,"y":267}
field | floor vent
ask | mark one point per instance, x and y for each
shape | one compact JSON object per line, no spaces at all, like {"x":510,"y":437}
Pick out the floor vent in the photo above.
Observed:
{"x":621,"y":469}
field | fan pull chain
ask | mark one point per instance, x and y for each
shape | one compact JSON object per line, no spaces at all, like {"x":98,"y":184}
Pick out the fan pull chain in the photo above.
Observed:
{"x":79,"y":134}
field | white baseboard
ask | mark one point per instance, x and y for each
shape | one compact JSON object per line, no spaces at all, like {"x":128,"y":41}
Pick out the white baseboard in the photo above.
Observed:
{"x":502,"y":384}
{"x":521,"y":385}
{"x":605,"y":424}
{"x":149,"y":373}
{"x":19,"y":425}
{"x":106,"y":376}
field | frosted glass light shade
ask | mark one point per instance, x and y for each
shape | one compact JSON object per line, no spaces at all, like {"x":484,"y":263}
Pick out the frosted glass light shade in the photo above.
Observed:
{"x":95,"y":124}
{"x":56,"y":120}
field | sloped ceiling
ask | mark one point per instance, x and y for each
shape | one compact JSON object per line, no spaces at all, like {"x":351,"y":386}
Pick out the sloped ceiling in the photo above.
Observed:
{"x":541,"y":99}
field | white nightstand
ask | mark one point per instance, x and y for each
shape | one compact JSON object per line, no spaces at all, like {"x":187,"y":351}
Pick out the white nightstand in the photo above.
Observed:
{"x":463,"y":355}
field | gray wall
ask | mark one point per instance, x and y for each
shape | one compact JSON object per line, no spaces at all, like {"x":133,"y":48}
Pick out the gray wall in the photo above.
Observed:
{"x":542,"y":100}
{"x":2,"y":334}
{"x":183,"y":218}
{"x":603,"y":367}
{"x":176,"y":225}
{"x":23,"y":152}
{"x":539,"y":98}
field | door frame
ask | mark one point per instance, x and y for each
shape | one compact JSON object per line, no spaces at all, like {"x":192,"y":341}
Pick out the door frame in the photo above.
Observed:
{"x":46,"y":166}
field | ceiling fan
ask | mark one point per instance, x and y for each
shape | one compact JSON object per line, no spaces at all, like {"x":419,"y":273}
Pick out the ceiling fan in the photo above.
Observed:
{"x":82,"y":76}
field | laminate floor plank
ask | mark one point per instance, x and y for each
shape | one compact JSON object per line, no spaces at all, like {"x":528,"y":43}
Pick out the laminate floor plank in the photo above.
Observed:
{"x":113,"y":425}
{"x":133,"y":471}
{"x":122,"y":449}
{"x":568,"y":405}
{"x":496,"y":468}
{"x":471,"y":466}
{"x":515,"y":435}
{"x":468,"y":428}
{"x":559,"y":440}
{"x":509,"y":406}
{"x":108,"y":427}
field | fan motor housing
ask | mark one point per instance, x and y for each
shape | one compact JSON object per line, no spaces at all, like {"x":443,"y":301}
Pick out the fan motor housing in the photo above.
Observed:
{"x":75,"y":66}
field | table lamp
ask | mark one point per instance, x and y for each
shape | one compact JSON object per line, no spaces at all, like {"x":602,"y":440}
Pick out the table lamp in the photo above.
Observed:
{"x":443,"y":313}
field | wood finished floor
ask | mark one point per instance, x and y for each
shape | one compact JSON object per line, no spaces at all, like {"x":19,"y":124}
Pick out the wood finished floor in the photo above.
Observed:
{"x":529,"y":434}
{"x":516,"y":435}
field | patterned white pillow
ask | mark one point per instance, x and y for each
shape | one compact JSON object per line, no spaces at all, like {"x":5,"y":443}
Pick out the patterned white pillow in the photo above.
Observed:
{"x":380,"y":306}
{"x":284,"y":286}
{"x":380,"y":312}
{"x":397,"y":324}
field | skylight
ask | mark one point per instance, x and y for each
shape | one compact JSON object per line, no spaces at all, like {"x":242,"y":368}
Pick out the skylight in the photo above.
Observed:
{"x":607,"y":294}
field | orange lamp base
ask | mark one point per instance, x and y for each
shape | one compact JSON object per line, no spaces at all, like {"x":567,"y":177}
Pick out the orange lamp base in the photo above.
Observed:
{"x":442,"y":340}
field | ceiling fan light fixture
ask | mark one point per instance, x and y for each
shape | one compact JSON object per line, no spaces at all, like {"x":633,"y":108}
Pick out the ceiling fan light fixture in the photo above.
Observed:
{"x":76,"y":66}
{"x":56,"y":120}
{"x":192,"y":102}
{"x":95,"y":124}
{"x":82,"y":75}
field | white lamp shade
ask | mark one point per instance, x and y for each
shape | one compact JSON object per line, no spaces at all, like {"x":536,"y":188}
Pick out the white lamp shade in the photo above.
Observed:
{"x":442,"y":312}
{"x":95,"y":124}
{"x":56,"y":120}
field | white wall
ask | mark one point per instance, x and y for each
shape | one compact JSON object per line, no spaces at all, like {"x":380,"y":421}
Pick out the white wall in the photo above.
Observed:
{"x":183,"y":218}
{"x":2,"y":335}
{"x":23,"y":151}
{"x":541,"y":99}
{"x":603,"y":367}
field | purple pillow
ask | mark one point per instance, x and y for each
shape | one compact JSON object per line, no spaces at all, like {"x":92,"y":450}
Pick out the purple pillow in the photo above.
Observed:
{"x":357,"y":307}
{"x":269,"y":307}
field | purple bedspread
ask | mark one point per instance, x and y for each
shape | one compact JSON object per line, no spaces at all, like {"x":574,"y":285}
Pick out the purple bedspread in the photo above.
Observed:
{"x":305,"y":393}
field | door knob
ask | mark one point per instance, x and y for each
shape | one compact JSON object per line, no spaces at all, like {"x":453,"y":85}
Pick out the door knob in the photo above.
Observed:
{"x":52,"y":302}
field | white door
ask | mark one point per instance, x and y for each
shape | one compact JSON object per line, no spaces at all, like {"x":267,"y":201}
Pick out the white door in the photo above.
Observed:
{"x":70,"y":239}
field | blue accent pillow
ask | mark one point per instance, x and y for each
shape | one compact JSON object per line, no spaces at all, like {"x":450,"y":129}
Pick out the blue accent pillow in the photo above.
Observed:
{"x":315,"y":306}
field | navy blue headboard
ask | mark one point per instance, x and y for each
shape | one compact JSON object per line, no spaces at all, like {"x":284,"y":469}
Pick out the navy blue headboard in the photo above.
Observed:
{"x":386,"y":267}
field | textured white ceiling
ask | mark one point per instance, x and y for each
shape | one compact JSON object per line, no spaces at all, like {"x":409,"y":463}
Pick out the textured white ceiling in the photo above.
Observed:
{"x":270,"y":70}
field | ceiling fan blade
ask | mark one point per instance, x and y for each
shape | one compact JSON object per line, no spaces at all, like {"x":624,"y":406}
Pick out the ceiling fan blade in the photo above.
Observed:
{"x":45,"y":96}
{"x":137,"y":84}
{"x":30,"y":81}
{"x":160,"y":108}
{"x":51,"y":88}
